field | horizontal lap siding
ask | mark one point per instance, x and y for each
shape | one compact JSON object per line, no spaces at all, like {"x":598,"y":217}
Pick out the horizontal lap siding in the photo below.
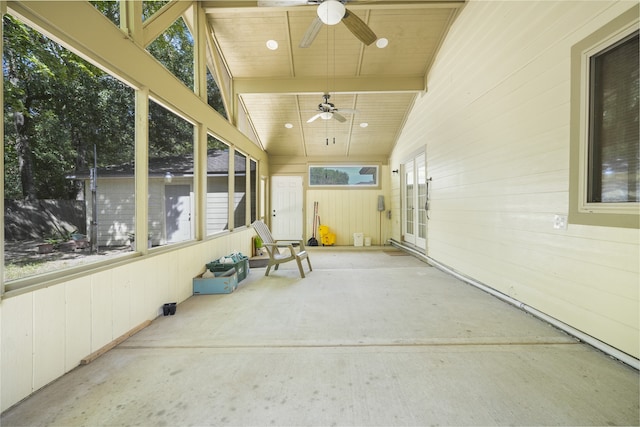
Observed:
{"x":116,"y":211}
{"x":495,"y":124}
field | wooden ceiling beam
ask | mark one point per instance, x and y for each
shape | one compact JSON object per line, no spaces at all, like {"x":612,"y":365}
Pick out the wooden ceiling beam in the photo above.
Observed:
{"x":337,"y":85}
{"x":211,"y":6}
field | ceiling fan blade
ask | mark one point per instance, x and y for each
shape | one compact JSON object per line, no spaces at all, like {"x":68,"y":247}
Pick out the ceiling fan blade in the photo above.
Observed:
{"x":359,"y":28}
{"x":311,"y":33}
{"x":314,"y":118}
{"x":338,"y":117}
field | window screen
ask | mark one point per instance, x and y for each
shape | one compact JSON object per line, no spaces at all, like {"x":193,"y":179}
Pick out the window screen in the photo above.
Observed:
{"x":614,"y":171}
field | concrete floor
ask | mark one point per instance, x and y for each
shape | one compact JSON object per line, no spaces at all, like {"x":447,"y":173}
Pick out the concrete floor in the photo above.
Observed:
{"x":368,"y":338}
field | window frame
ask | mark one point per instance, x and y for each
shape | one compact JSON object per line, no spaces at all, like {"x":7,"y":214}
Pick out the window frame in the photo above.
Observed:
{"x":581,"y":211}
{"x":343,"y":166}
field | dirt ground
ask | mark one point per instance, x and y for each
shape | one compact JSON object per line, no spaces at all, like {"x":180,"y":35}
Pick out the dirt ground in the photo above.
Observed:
{"x":21,"y":258}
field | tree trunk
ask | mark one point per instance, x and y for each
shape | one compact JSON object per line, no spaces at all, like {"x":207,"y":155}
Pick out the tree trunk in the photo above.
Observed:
{"x":25,"y":159}
{"x":80,"y":163}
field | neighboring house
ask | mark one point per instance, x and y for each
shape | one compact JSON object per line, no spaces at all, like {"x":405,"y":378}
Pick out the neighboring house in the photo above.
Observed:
{"x":171,"y":198}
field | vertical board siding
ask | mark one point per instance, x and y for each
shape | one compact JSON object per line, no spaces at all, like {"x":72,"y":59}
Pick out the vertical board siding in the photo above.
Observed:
{"x":46,"y":333}
{"x":49,"y":332}
{"x":346,"y":212}
{"x":78,"y":322}
{"x":496,"y":126}
{"x":17,"y":349}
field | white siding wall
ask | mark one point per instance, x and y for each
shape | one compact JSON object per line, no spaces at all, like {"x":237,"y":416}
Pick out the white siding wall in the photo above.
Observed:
{"x":47,"y":332}
{"x":495,"y":124}
{"x":217,"y":205}
{"x":116,"y":210}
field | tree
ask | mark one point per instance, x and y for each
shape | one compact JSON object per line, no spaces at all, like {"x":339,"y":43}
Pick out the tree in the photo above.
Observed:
{"x":29,"y":66}
{"x":58,"y":106}
{"x":61,"y":106}
{"x":323,"y":176}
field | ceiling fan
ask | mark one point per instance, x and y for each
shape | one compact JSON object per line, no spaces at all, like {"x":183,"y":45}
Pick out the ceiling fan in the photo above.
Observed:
{"x":326,"y":111}
{"x":330,"y":12}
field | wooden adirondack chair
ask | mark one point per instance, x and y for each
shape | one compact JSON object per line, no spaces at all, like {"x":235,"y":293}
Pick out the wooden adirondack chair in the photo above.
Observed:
{"x":281,"y":251}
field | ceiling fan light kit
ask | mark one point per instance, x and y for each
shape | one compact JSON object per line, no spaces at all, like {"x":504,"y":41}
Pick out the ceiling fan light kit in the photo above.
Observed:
{"x":331,"y":12}
{"x":326,"y":111}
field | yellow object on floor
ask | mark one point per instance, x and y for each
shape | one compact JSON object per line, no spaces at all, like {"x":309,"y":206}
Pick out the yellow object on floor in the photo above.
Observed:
{"x":326,"y":238}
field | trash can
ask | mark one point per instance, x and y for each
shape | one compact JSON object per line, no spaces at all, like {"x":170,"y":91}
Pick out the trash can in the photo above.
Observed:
{"x":358,"y":239}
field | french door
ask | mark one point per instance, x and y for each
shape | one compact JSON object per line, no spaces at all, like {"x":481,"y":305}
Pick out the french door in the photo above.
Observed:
{"x":414,"y":218}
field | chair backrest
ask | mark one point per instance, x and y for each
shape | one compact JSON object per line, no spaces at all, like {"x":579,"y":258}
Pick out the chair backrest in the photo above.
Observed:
{"x":263,"y":231}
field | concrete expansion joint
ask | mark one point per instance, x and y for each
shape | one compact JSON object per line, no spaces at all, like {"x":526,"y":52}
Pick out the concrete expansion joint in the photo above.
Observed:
{"x":358,"y":345}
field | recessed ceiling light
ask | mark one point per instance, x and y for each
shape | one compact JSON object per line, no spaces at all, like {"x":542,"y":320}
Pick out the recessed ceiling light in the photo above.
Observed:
{"x":288,"y":125}
{"x":382,"y":43}
{"x":272,"y":44}
{"x":364,"y":124}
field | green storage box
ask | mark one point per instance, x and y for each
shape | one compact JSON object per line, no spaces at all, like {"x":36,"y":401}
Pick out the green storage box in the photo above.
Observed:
{"x":241,"y":266}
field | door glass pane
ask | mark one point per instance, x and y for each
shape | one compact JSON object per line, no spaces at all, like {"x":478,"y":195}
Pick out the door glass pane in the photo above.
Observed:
{"x":422,"y":197}
{"x":409,"y":201}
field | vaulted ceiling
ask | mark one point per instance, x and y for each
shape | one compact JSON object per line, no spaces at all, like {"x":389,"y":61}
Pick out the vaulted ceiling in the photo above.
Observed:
{"x":268,"y":89}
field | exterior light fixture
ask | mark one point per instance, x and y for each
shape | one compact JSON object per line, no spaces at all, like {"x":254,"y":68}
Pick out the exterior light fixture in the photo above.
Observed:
{"x":288,"y":125}
{"x":382,"y":43}
{"x":331,"y":12}
{"x":364,"y":124}
{"x":272,"y":44}
{"x":168,"y":177}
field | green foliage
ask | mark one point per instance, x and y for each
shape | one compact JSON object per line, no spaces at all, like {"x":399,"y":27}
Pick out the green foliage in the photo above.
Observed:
{"x":174,"y":50}
{"x":110,"y":9}
{"x":58,"y":107}
{"x":322,"y":176}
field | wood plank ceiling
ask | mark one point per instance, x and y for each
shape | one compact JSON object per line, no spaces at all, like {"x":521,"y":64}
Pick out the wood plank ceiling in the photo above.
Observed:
{"x":272,"y":88}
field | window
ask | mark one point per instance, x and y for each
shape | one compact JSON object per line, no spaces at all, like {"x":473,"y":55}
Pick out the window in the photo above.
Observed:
{"x":605,"y":148}
{"x":613,"y":124}
{"x":62,"y":118}
{"x":347,"y":176}
{"x":217,"y":186}
{"x":253,"y":170}
{"x":240,"y":190}
{"x":171,"y":216}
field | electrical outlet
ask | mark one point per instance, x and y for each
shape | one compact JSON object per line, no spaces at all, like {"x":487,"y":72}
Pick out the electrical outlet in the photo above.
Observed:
{"x":560,"y":222}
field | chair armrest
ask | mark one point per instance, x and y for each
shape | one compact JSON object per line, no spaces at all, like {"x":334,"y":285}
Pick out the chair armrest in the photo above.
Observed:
{"x":289,"y":244}
{"x":283,"y":243}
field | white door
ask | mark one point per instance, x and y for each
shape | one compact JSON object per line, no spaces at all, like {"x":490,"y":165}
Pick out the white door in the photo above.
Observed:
{"x":177,"y":202}
{"x":415,"y":202}
{"x":286,"y":207}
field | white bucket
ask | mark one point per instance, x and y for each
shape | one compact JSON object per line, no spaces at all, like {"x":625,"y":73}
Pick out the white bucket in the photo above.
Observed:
{"x":367,"y":241}
{"x":358,"y":239}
